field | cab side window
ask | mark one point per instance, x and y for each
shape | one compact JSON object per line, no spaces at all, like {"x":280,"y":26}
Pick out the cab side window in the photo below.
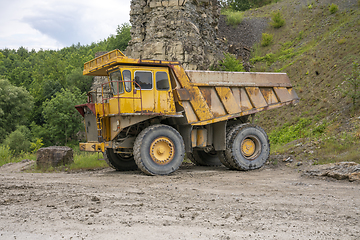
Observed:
{"x":144,"y":79}
{"x":162,"y":81}
{"x":127,"y":79}
{"x":116,"y":84}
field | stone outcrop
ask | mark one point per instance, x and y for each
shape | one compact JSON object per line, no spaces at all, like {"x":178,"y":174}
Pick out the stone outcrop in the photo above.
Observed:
{"x":178,"y":30}
{"x":339,"y":171}
{"x":54,"y":156}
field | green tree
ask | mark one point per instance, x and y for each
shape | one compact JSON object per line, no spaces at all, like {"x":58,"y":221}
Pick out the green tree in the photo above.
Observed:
{"x":62,"y":120}
{"x":15,"y":106}
{"x":121,"y":39}
{"x":240,"y":5}
{"x":76,"y":79}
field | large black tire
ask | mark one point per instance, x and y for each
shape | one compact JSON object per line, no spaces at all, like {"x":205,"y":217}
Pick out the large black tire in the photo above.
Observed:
{"x":203,"y":158}
{"x":159,"y":150}
{"x":120,"y":162}
{"x":248,"y":147}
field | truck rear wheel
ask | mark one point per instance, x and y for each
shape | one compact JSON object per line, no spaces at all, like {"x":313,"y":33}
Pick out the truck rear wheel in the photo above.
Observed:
{"x":118,"y":161}
{"x":159,"y":150}
{"x":248,"y":147}
{"x":204,"y":158}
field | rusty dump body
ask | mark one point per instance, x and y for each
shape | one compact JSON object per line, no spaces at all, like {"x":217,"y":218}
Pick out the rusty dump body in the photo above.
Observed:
{"x":199,"y":105}
{"x":231,"y":94}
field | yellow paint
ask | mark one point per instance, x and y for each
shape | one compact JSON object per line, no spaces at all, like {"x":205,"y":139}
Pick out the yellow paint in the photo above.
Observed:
{"x":144,"y":101}
{"x":193,"y":137}
{"x":201,"y":138}
{"x":162,"y":150}
{"x":92,"y":147}
{"x":248,"y":147}
{"x":197,"y":100}
{"x":228,"y":99}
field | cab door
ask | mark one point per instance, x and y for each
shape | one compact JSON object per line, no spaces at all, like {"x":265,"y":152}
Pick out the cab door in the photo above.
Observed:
{"x":144,"y":91}
{"x":164,"y":101}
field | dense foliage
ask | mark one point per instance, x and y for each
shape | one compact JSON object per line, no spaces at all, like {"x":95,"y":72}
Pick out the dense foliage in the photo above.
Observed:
{"x":38,"y":91}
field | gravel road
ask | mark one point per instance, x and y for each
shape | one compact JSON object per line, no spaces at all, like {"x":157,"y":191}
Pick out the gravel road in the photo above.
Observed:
{"x":193,"y":203}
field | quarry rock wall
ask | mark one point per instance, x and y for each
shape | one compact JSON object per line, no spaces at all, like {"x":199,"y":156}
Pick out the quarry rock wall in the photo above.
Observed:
{"x":178,"y":30}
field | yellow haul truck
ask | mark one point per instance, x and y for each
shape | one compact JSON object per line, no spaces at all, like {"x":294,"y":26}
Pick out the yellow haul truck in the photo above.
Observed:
{"x":151,"y":112}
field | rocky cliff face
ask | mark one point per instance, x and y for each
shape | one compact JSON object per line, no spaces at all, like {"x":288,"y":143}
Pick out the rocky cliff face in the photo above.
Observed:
{"x":179,"y":30}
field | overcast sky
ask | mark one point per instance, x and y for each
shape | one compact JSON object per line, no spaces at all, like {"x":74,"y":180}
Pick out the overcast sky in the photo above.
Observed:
{"x":54,"y":24}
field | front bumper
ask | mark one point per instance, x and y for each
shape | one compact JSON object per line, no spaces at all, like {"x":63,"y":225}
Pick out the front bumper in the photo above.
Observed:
{"x":92,"y":147}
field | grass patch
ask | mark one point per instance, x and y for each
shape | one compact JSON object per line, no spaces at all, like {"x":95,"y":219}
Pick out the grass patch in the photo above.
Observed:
{"x":83,"y":161}
{"x":342,"y":148}
{"x":289,"y":132}
{"x":87,"y":161}
{"x":233,"y":18}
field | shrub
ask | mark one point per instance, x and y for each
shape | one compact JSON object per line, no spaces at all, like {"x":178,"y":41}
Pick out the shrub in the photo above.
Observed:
{"x":18,"y":141}
{"x":333,"y":8}
{"x":36,"y":145}
{"x":233,"y":18}
{"x":277,"y":20}
{"x":229,"y":63}
{"x":266,"y":39}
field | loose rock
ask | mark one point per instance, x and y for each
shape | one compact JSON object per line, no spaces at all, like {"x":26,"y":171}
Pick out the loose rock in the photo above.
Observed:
{"x":339,"y":171}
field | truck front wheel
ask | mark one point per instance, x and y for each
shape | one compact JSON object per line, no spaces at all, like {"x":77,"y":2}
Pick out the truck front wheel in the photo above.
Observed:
{"x":159,"y":150}
{"x":118,"y":161}
{"x":248,"y":147}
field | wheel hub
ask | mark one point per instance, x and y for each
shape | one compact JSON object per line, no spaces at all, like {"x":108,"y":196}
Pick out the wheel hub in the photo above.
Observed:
{"x":250,"y":147}
{"x":162,"y":150}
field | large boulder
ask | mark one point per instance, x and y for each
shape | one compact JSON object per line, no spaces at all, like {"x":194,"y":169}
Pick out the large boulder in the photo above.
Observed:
{"x":54,"y":156}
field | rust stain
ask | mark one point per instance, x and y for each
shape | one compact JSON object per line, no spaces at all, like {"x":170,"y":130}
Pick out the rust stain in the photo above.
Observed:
{"x":269,"y":95}
{"x":206,"y":92}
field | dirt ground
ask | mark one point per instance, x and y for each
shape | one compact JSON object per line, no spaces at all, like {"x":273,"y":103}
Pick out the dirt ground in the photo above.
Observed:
{"x":274,"y":202}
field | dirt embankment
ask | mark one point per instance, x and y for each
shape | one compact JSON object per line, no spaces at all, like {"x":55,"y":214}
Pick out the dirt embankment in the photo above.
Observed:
{"x":275,"y":202}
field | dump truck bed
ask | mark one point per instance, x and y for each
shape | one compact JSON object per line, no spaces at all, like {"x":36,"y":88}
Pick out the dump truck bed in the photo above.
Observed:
{"x":214,"y":96}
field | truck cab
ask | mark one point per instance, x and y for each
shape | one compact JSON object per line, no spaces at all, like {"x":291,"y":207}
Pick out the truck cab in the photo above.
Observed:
{"x":139,"y":90}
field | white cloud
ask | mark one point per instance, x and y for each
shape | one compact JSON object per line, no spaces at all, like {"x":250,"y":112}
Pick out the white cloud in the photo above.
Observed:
{"x":53,"y":24}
